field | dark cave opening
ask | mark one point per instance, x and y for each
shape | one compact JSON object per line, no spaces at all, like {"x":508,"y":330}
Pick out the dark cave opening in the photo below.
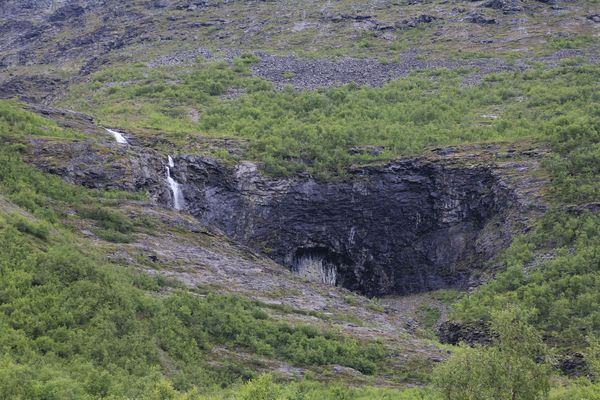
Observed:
{"x":395,"y":229}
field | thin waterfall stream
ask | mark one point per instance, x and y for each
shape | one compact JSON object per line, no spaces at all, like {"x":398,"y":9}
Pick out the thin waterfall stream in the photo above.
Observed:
{"x":178,"y":200}
{"x":117,"y":135}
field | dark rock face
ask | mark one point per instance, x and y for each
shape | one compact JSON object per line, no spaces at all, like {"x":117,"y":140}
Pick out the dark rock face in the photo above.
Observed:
{"x":472,"y":333}
{"x":479,"y":18}
{"x":574,"y":365}
{"x":409,"y":226}
{"x":507,"y":6}
{"x":67,"y":12}
{"x":406,"y":227}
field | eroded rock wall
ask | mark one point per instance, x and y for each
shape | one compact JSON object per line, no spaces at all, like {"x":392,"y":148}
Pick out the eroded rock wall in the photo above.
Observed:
{"x":409,"y":226}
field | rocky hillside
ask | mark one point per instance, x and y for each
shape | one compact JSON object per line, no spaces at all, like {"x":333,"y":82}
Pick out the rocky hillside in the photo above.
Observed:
{"x":382,"y":40}
{"x":298,"y":199}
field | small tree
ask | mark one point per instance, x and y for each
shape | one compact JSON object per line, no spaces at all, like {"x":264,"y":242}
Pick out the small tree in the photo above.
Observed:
{"x":592,"y":355}
{"x":261,"y":388}
{"x":514,"y":368}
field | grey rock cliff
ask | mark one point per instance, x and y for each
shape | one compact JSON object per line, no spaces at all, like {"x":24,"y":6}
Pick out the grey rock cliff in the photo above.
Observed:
{"x":409,"y":226}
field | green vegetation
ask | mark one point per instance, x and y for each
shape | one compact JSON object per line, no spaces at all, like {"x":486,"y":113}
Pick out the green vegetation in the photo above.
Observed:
{"x":73,"y":326}
{"x":512,"y":368}
{"x":15,"y":122}
{"x":264,"y":387}
{"x":323,"y":132}
{"x":428,"y":315}
{"x":571,"y":42}
{"x":563,"y":290}
{"x":112,"y":225}
{"x":553,"y":271}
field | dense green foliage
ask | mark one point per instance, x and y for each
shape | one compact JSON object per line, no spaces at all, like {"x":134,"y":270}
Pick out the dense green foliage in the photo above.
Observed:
{"x":264,"y":387}
{"x":512,"y":368}
{"x":563,"y":291}
{"x":15,"y":122}
{"x":292,"y":131}
{"x":73,"y":326}
{"x":562,"y":287}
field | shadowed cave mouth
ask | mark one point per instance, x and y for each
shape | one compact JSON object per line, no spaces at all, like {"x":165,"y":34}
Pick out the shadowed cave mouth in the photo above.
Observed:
{"x":431,"y":242}
{"x":399,"y":229}
{"x":319,"y":264}
{"x":322,"y":264}
{"x":367,"y":276}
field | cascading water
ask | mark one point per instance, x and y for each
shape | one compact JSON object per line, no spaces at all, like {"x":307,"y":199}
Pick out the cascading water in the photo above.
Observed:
{"x":178,"y":200}
{"x":118,"y":136}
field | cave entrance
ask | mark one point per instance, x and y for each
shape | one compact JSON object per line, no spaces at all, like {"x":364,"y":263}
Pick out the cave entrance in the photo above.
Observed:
{"x":407,"y":227}
{"x":317,"y":264}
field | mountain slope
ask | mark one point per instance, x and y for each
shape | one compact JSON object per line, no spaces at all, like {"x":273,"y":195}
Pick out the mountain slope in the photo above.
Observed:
{"x":441,"y":155}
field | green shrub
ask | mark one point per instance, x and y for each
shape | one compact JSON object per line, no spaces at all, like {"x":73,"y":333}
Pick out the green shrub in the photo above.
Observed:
{"x":290,"y":131}
{"x":261,"y":388}
{"x":513,"y":368}
{"x":562,"y":290}
{"x":581,"y":389}
{"x":107,"y":219}
{"x":39,"y":229}
{"x":74,"y":326}
{"x":112,"y":236}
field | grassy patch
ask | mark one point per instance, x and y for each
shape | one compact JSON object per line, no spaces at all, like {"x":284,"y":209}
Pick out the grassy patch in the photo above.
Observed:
{"x":325,"y":131}
{"x":428,"y":315}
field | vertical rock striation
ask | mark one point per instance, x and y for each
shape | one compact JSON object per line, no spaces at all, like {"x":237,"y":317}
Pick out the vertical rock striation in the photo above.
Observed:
{"x":409,"y":226}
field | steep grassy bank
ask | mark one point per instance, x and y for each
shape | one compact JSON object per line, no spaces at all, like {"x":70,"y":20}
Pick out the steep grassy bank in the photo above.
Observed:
{"x":75,"y":325}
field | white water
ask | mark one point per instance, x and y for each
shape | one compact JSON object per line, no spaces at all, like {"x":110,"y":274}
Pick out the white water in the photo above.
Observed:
{"x":118,"y":136}
{"x":178,"y":200}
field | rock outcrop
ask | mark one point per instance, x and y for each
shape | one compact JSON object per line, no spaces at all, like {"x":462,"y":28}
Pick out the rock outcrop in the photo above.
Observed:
{"x":408,"y":226}
{"x":471,"y":333}
{"x":107,"y":167}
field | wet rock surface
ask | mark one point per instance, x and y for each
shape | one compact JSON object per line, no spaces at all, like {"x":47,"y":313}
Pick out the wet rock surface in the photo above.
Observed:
{"x":410,"y":226}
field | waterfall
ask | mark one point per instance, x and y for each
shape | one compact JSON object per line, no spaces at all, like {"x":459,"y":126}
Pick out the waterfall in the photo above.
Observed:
{"x":178,"y":200}
{"x":118,"y":136}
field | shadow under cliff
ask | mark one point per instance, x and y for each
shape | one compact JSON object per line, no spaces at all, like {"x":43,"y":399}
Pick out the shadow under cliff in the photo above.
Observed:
{"x":409,"y":226}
